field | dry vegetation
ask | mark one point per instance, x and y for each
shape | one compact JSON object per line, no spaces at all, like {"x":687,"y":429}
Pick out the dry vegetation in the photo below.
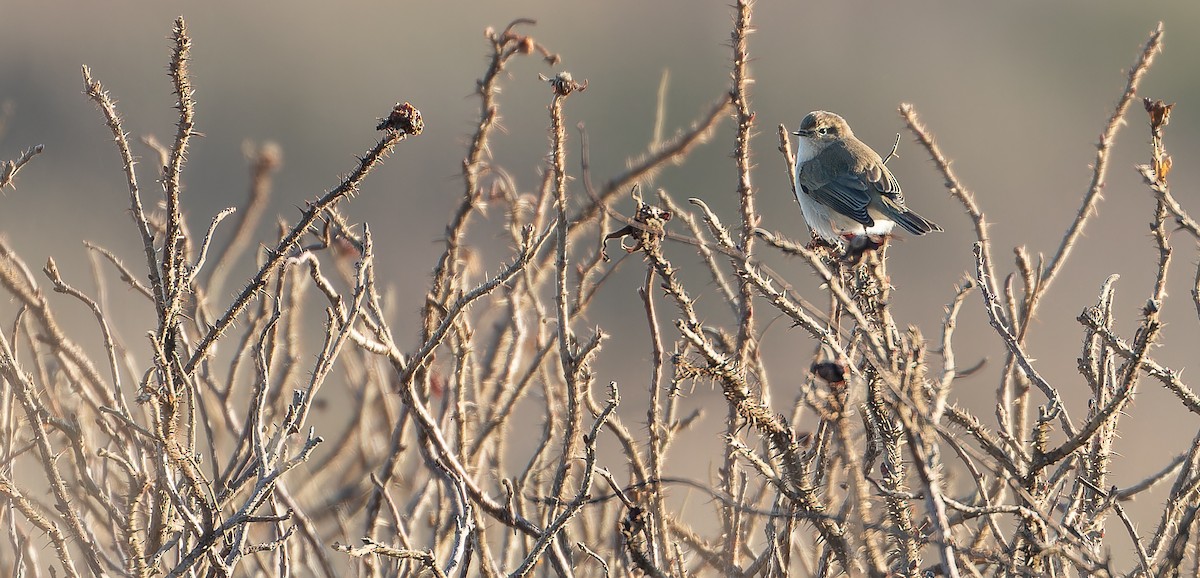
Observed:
{"x":185,"y":463}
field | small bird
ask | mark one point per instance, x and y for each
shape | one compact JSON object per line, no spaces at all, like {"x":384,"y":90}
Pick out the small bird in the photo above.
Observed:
{"x":845,"y":190}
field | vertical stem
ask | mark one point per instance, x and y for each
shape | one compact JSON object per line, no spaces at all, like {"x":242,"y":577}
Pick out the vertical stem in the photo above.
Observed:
{"x":741,"y":154}
{"x":563,"y":85}
{"x":658,"y":433}
{"x":745,"y":341}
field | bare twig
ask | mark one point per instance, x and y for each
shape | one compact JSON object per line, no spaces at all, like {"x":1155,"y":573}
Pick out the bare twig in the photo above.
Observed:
{"x":9,"y":169}
{"x":348,"y":188}
{"x":1099,"y":167}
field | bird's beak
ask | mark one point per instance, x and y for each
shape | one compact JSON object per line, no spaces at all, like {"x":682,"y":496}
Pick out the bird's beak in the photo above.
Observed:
{"x":804,"y":133}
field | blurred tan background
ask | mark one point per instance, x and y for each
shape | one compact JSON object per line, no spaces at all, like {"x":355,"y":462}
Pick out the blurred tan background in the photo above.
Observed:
{"x":1016,"y":92}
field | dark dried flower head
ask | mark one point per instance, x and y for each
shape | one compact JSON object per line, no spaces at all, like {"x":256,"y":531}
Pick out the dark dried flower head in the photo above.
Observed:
{"x":860,"y":245}
{"x":650,"y":227}
{"x":829,"y":371}
{"x":650,"y":213}
{"x":405,"y":118}
{"x":1160,"y":112}
{"x":563,"y":83}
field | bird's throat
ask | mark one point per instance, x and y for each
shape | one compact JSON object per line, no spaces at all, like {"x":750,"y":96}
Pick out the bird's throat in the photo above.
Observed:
{"x":806,"y":150}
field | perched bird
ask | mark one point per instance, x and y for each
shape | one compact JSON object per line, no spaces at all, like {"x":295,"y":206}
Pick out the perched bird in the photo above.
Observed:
{"x":844,"y":189}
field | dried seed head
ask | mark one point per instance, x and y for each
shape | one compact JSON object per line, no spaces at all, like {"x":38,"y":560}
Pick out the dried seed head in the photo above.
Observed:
{"x":563,"y":83}
{"x":1160,"y":112}
{"x":831,"y":372}
{"x":650,"y":213}
{"x":859,"y":245}
{"x":405,"y":118}
{"x":526,"y":45}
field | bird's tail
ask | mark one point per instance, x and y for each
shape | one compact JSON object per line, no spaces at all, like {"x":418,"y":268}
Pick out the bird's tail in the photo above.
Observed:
{"x":914,"y":223}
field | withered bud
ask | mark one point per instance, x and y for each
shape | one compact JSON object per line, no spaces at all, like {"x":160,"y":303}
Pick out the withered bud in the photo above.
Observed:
{"x":405,"y":118}
{"x":563,"y":84}
{"x":264,"y":158}
{"x":831,"y":372}
{"x":646,"y":213}
{"x":1160,"y":112}
{"x":526,"y":45}
{"x":860,"y":245}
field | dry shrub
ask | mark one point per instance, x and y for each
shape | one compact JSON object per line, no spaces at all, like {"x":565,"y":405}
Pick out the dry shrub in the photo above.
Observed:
{"x":185,"y":465}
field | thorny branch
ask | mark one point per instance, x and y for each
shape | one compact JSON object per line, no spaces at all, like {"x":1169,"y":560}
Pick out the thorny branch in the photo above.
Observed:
{"x":9,"y":169}
{"x":495,"y":428}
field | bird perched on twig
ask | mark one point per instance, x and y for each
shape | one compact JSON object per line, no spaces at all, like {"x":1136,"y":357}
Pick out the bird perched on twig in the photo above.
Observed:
{"x":845,"y":190}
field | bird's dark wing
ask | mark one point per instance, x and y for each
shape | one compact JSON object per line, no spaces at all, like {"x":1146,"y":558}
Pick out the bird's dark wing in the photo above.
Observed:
{"x":850,"y":178}
{"x":835,"y":180}
{"x":875,"y":173}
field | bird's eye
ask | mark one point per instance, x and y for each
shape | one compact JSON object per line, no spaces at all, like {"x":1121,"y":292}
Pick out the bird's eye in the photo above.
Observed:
{"x":823,"y":130}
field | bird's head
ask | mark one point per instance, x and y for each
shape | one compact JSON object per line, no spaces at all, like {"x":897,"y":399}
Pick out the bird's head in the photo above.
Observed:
{"x":823,"y":127}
